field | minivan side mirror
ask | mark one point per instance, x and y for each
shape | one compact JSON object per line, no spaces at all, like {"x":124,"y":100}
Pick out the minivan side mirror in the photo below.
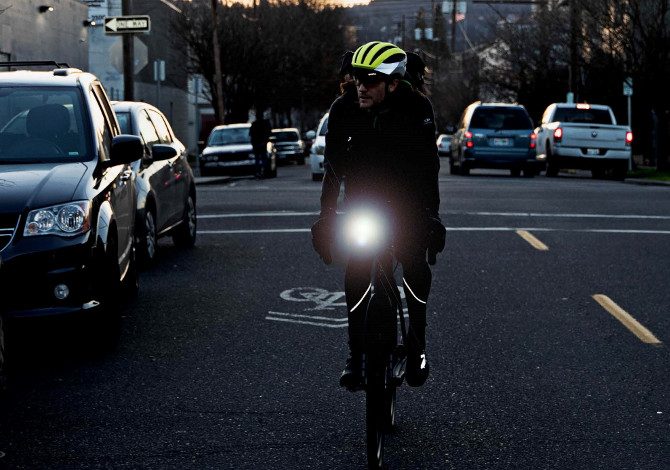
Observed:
{"x":125,"y":149}
{"x":310,"y":135}
{"x":162,"y":152}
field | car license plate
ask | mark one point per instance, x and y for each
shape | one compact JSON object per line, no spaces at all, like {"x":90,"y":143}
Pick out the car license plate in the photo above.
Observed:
{"x":499,"y":142}
{"x":592,"y":152}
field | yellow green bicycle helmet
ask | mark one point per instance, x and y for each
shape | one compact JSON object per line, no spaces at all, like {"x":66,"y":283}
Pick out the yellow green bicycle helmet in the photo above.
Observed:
{"x":379,"y":58}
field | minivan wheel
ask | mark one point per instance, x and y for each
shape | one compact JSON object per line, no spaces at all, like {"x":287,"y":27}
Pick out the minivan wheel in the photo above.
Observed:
{"x":185,"y":234}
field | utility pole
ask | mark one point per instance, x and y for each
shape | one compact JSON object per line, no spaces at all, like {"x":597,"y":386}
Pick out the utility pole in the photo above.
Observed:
{"x":217,"y":63}
{"x":574,"y":52}
{"x":128,"y":56}
{"x":453,"y":27}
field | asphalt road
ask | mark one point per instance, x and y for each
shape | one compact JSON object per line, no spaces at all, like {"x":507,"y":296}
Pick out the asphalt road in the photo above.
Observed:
{"x":230,"y":356}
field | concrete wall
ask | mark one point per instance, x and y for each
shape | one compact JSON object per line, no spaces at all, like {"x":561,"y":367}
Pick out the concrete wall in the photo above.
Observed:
{"x":27,"y":34}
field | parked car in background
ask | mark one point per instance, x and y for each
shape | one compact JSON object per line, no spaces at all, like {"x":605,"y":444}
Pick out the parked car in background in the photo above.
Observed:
{"x":229,"y":151}
{"x":495,"y":135}
{"x":318,"y":149}
{"x":166,"y":196}
{"x":444,"y":145}
{"x":68,"y":203}
{"x":288,"y":146}
{"x":584,"y":136}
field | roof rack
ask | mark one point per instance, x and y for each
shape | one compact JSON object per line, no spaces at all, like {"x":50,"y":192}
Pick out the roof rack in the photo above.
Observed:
{"x":35,"y":63}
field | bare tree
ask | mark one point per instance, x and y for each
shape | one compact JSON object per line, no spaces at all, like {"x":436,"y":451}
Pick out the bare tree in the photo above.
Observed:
{"x":281,"y":55}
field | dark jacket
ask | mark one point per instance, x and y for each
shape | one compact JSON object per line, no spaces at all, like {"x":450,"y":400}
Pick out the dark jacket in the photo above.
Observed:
{"x":260,"y":132}
{"x":384,"y":154}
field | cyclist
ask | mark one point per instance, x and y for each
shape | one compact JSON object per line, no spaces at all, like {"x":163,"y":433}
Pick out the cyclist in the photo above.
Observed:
{"x":390,"y":157}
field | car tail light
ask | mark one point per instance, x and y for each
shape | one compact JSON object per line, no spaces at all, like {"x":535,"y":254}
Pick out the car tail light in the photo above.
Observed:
{"x":469,"y":143}
{"x":629,"y":138}
{"x":558,"y":134}
{"x":533,"y":141}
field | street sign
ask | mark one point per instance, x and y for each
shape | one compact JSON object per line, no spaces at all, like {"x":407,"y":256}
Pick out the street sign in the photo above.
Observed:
{"x":628,"y":86}
{"x":127,"y":24}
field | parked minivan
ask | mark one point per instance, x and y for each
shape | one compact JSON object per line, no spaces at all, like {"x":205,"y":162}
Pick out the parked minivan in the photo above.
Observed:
{"x":495,"y":135}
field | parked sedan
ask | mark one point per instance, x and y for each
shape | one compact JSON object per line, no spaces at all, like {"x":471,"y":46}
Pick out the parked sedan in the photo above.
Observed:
{"x":165,"y":185}
{"x":288,"y":145}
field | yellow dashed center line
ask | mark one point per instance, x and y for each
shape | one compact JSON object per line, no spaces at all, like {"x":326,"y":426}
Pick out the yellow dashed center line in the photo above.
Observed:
{"x":537,"y":244}
{"x":626,"y":319}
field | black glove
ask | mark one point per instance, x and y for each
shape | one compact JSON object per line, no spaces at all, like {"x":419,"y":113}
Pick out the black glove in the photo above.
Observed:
{"x":436,"y":235}
{"x":322,"y":237}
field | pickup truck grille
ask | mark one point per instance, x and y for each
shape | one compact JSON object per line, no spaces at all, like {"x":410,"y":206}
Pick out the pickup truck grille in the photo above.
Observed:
{"x":7,"y":227}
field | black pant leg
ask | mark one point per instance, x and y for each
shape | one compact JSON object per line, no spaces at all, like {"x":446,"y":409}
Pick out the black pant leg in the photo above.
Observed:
{"x":357,"y":289}
{"x":417,"y":279}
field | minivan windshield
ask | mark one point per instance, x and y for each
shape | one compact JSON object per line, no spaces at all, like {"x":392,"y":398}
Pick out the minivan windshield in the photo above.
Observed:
{"x":500,"y":118}
{"x":587,"y":116}
{"x":42,"y":124}
{"x":230,"y":136}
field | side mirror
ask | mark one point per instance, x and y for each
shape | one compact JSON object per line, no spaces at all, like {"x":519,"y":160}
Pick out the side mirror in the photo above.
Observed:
{"x":125,"y":149}
{"x":162,"y":152}
{"x":310,"y":135}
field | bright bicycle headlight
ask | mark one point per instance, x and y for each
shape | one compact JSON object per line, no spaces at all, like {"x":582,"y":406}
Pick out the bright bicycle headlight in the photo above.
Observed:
{"x":64,"y":219}
{"x":364,"y":230}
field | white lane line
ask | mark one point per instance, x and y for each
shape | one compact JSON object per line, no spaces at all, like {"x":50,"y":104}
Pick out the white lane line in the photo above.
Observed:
{"x":311,"y":317}
{"x":485,"y":214}
{"x":257,"y":214}
{"x":454,"y":229}
{"x":311,"y":323}
{"x":276,"y":230}
{"x":534,"y":242}
{"x":563,"y":215}
{"x":626,"y":319}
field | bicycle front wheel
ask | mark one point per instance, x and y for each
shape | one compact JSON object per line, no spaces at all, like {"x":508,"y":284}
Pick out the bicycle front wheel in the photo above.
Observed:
{"x":376,"y":419}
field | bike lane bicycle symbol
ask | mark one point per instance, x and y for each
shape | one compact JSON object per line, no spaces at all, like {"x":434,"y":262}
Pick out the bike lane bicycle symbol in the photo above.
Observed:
{"x":322,"y":303}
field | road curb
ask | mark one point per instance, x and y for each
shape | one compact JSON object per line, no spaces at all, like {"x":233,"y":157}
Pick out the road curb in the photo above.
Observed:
{"x":645,"y":182}
{"x":206,"y":180}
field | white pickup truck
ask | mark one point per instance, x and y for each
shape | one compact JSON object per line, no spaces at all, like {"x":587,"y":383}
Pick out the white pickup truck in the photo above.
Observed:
{"x":584,"y":136}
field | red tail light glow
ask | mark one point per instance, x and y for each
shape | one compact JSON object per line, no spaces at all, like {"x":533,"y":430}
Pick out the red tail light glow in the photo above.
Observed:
{"x":533,"y":141}
{"x":558,"y":134}
{"x":468,"y":142}
{"x":629,"y":138}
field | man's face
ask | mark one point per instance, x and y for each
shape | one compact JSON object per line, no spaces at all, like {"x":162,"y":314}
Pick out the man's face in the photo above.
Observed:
{"x":372,"y":92}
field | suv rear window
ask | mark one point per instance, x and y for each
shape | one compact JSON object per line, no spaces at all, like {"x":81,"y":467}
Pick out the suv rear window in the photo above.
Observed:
{"x":42,"y":124}
{"x":500,"y":118}
{"x":588,"y":116}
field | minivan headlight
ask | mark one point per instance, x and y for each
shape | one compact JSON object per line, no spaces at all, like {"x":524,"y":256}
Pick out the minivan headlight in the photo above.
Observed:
{"x":73,"y":218}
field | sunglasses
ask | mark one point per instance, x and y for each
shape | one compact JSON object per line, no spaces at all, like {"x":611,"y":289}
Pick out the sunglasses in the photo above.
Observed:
{"x":369,"y":80}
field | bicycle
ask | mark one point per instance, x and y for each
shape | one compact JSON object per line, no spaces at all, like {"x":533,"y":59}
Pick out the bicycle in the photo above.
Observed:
{"x":384,"y":353}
